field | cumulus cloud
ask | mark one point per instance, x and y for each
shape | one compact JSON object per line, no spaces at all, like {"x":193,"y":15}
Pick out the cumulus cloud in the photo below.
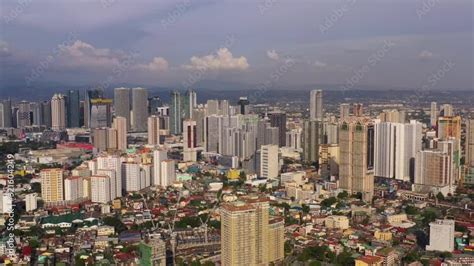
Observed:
{"x":318,"y":63}
{"x":425,"y":55}
{"x":223,"y":60}
{"x":157,"y":64}
{"x":272,"y":54}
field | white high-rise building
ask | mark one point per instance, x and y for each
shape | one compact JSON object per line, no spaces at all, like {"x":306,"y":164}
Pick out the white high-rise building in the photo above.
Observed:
{"x":168,"y":173}
{"x":344,"y":110}
{"x":189,"y":141}
{"x":269,"y":163}
{"x":433,"y":114}
{"x":131,"y":172}
{"x":154,"y":130}
{"x":158,"y":157}
{"x":31,"y":202}
{"x":385,"y":150}
{"x":112,"y":180}
{"x":316,"y":105}
{"x":447,"y":110}
{"x":112,"y":162}
{"x":469,"y":144}
{"x":441,"y":236}
{"x":100,"y":189}
{"x":120,"y":125}
{"x":73,"y":188}
{"x":58,"y":112}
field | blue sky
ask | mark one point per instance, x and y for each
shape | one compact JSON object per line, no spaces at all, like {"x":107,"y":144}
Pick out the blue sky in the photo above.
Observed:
{"x":352,"y":43}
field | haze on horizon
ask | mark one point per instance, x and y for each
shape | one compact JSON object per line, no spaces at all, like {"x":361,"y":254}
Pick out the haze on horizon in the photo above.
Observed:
{"x":348,"y":43}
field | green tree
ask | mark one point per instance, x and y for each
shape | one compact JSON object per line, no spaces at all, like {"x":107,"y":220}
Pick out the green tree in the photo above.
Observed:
{"x":342,"y":195}
{"x":440,"y":196}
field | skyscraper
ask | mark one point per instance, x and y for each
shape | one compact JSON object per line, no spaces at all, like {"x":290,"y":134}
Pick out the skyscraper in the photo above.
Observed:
{"x":433,"y":114}
{"x":6,"y":113}
{"x":46,"y":113}
{"x":100,"y":189}
{"x":278,"y":119}
{"x":192,"y":100}
{"x":447,"y":110}
{"x":469,"y":144}
{"x":344,"y":111}
{"x":73,"y":109}
{"x":139,"y":109}
{"x":358,"y":109}
{"x":122,"y":104}
{"x":316,"y":105}
{"x":189,"y":141}
{"x":158,"y":156}
{"x":89,"y":96}
{"x":24,"y":115}
{"x":58,"y":112}
{"x":120,"y":125}
{"x":176,"y":120}
{"x":168,"y":173}
{"x":356,"y":142}
{"x":244,"y":103}
{"x":311,"y":139}
{"x":154,"y":130}
{"x":100,"y":113}
{"x":269,"y":161}
{"x":154,"y":105}
{"x":52,"y":185}
{"x":112,"y":163}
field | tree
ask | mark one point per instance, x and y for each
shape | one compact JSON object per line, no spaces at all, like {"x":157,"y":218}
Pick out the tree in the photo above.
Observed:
{"x":326,"y":203}
{"x":342,"y":195}
{"x":305,"y":208}
{"x":440,"y":196}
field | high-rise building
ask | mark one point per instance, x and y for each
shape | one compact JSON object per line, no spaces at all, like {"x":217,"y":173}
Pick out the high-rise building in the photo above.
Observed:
{"x":447,"y":110}
{"x":441,"y":236}
{"x":46,"y":114}
{"x":31,"y":202}
{"x":52,"y":185}
{"x":153,"y":130}
{"x":113,"y":177}
{"x":5,"y":113}
{"x":112,"y":163}
{"x":344,"y":110}
{"x":100,"y":113}
{"x":311,"y":139}
{"x":158,"y":156}
{"x":358,"y":109}
{"x":434,"y":168}
{"x":122,"y":104}
{"x":24,"y":115}
{"x":58,"y":112}
{"x":244,"y":105}
{"x":120,"y":125}
{"x":152,"y":252}
{"x":154,"y":105}
{"x":73,"y":188}
{"x":132,"y":176}
{"x":278,"y":119}
{"x":393,"y":116}
{"x":469,"y":143}
{"x":168,"y":172}
{"x":189,"y":141}
{"x":293,"y":138}
{"x":73,"y":109}
{"x":433,"y":114}
{"x":356,"y":144}
{"x":100,"y":189}
{"x":104,"y":139}
{"x":449,"y":126}
{"x":316,"y":105}
{"x":269,"y":161}
{"x":88,"y":97}
{"x":139,"y":109}
{"x":192,"y":100}
{"x":176,"y":119}
{"x":199,"y":115}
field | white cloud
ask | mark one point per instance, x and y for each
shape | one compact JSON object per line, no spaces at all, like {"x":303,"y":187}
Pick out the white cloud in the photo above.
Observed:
{"x":223,"y":60}
{"x":272,"y":54}
{"x":425,"y":55}
{"x":319,"y":64}
{"x":157,"y":64}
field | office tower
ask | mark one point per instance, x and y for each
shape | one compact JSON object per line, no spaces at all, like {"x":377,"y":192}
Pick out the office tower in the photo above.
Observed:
{"x":153,"y":130}
{"x":189,"y":141}
{"x":385,"y":150}
{"x":272,"y":135}
{"x":393,"y":116}
{"x":58,"y":112}
{"x":212,"y":133}
{"x":46,"y":114}
{"x":344,"y":111}
{"x":358,"y":109}
{"x":293,"y":138}
{"x":36,"y":114}
{"x":199,"y":115}
{"x":328,"y":160}
{"x":434,"y":168}
{"x":154,"y":105}
{"x":176,"y":120}
{"x":269,"y":163}
{"x":100,"y":113}
{"x":433,"y":114}
{"x":112,"y":163}
{"x":158,"y":157}
{"x":122,"y":104}
{"x":441,"y":236}
{"x":224,"y":107}
{"x":31,"y":202}
{"x":73,"y":109}
{"x":152,"y":252}
{"x":73,"y":188}
{"x":5,"y":113}
{"x":100,"y":189}
{"x":120,"y":125}
{"x":192,"y":102}
{"x":311,"y":139}
{"x":316,"y":105}
{"x":52,"y":185}
{"x":23,"y":115}
{"x":244,"y":105}
{"x":212,"y":107}
{"x":88,"y":97}
{"x":168,"y":173}
{"x":330,"y":133}
{"x":104,"y":139}
{"x":469,"y":143}
{"x":278,"y":119}
{"x":447,"y":110}
{"x":356,"y":144}
{"x":139,"y":109}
